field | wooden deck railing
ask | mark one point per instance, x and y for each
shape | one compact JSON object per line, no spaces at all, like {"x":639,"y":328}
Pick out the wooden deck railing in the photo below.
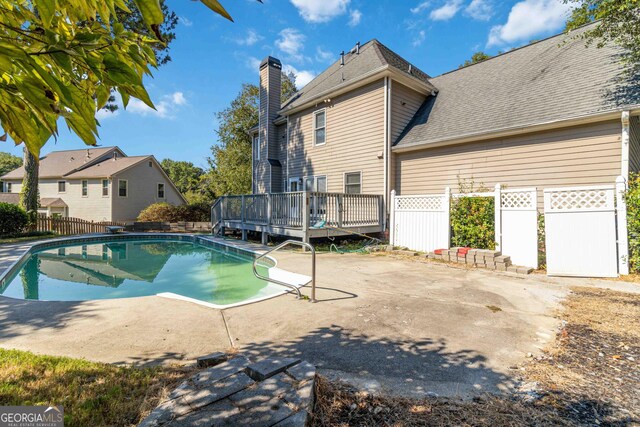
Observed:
{"x":301,"y":209}
{"x":67,"y":226}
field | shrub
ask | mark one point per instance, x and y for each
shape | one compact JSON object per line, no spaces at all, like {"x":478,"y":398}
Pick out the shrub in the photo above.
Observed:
{"x":473,"y":219}
{"x":165,"y":212}
{"x":13,"y":219}
{"x":632,"y":198}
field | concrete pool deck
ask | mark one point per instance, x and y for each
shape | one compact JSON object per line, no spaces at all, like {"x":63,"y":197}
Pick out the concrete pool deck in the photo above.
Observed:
{"x":382,"y":323}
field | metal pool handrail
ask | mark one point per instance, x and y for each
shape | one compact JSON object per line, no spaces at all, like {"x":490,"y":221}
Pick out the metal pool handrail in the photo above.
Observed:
{"x":278,"y":282}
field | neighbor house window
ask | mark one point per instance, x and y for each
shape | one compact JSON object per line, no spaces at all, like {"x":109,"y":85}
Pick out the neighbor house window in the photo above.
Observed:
{"x":62,"y":186}
{"x":256,"y":148}
{"x":105,"y":187}
{"x":319,"y":126}
{"x":160,"y":191}
{"x":85,"y":188}
{"x":353,"y":182}
{"x":122,"y":187}
{"x":7,"y":187}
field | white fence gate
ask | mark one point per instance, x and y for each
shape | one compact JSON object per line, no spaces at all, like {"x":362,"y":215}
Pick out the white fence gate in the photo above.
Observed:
{"x":580,"y":227}
{"x":519,"y":226}
{"x":420,"y":222}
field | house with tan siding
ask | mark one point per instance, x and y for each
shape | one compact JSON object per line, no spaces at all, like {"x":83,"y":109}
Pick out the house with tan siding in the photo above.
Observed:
{"x":549,"y":114}
{"x":96,"y":184}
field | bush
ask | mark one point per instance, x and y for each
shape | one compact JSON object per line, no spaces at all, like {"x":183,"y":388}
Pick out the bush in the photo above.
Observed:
{"x":165,"y":212}
{"x":13,"y":219}
{"x":632,"y":198}
{"x":473,"y":219}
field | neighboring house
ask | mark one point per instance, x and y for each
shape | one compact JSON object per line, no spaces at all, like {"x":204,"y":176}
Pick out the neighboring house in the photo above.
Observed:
{"x":97,"y":184}
{"x":547,"y":114}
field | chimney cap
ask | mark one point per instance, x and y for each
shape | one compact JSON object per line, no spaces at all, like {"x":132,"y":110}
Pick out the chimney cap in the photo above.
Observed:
{"x":271,"y":61}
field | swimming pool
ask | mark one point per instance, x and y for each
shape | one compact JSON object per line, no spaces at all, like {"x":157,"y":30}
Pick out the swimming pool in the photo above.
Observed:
{"x":190,"y":269}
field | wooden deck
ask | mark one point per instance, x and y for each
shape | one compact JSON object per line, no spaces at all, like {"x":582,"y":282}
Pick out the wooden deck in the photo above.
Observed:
{"x":304,"y":215}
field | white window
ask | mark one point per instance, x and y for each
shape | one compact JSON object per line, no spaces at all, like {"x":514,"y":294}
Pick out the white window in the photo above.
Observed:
{"x":62,"y":186}
{"x":105,"y":187}
{"x":160,"y":190}
{"x":256,"y":148}
{"x":294,"y":184}
{"x":7,"y":187}
{"x":85,"y":188}
{"x":122,"y":187}
{"x":316,"y":183}
{"x":319,"y":127}
{"x":353,"y":182}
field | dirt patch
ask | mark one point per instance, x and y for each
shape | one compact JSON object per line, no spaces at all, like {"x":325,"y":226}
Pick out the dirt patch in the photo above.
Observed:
{"x":588,"y":376}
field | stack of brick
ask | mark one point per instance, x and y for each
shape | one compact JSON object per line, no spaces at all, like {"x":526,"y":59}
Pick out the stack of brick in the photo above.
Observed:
{"x":481,"y":258}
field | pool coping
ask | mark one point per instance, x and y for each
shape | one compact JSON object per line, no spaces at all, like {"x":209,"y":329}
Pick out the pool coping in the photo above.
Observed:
{"x":227,"y":246}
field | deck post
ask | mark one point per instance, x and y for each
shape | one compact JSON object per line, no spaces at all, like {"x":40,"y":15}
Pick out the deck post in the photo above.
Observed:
{"x":269,"y":211}
{"x":339,"y":206}
{"x":242,"y":218}
{"x":305,"y":216}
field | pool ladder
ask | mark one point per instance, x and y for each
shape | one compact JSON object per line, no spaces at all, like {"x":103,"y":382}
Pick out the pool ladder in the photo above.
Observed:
{"x":278,"y":282}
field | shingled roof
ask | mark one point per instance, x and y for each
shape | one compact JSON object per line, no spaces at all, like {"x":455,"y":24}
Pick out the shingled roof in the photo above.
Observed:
{"x":373,"y":56}
{"x":555,"y":79}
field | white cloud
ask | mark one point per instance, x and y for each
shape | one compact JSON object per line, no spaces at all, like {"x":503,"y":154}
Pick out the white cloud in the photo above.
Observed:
{"x":165,"y":108}
{"x":481,"y":10}
{"x":251,"y":38}
{"x":529,"y":18}
{"x":291,"y":42}
{"x":253,"y":63}
{"x":185,"y":21}
{"x":103,"y":114}
{"x":320,"y":10}
{"x":302,"y":76}
{"x":420,"y":7}
{"x":323,"y":55}
{"x":446,"y":11}
{"x":419,"y":38}
{"x":354,"y":17}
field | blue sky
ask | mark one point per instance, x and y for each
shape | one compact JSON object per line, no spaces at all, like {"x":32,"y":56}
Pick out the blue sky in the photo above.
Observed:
{"x":213,"y":57}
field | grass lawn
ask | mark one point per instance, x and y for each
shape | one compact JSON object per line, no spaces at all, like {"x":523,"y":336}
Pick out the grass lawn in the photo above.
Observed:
{"x":92,"y":394}
{"x":28,"y":236}
{"x":588,"y":376}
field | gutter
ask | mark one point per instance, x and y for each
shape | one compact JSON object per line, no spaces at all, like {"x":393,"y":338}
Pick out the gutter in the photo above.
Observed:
{"x":515,"y":130}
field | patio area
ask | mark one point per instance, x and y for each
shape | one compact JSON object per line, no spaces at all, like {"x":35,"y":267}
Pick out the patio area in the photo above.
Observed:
{"x":382,"y":323}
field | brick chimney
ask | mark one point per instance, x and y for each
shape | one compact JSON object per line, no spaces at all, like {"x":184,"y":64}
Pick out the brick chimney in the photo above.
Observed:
{"x":270,"y":89}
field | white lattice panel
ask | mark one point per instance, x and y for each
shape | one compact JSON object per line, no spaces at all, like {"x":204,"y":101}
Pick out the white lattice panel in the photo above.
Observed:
{"x":576,"y":199}
{"x":419,"y":203}
{"x":519,"y":199}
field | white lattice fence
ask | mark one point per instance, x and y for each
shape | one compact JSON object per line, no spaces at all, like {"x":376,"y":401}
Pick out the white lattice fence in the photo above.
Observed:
{"x":420,"y":222}
{"x":520,"y":225}
{"x":580,"y":227}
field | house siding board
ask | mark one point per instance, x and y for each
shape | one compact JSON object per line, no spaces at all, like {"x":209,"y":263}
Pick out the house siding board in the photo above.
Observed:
{"x":354,"y":135}
{"x":581,"y":155}
{"x":142,"y":191}
{"x":93,"y":207}
{"x":634,"y":144}
{"x":405,"y":102}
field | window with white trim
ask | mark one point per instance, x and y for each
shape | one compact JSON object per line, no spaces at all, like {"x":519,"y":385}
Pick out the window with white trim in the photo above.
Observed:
{"x":256,"y":148}
{"x":7,"y":187}
{"x":62,"y":186}
{"x":319,"y":127}
{"x":105,"y":187}
{"x":85,"y":188}
{"x":353,"y":182}
{"x":122,"y":187}
{"x":160,"y":190}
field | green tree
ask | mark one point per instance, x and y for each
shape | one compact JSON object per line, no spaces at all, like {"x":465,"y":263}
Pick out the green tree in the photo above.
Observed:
{"x":62,"y":59}
{"x":9,"y":162}
{"x":231,"y":158}
{"x":189,"y":179}
{"x":619,"y":23}
{"x":475,"y":58}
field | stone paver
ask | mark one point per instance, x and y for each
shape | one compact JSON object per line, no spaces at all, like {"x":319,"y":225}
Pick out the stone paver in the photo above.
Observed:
{"x":226,"y":396}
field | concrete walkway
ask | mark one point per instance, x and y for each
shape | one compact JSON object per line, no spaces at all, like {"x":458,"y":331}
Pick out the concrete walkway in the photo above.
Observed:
{"x":393,"y":325}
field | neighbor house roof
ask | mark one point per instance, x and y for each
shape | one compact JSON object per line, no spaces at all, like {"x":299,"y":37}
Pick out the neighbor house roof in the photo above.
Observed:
{"x":108,"y":168}
{"x":59,"y":163}
{"x":13,"y":198}
{"x":555,"y":79}
{"x":373,"y":57}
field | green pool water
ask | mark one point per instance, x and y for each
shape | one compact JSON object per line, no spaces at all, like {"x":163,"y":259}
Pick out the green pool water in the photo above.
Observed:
{"x":123,"y":269}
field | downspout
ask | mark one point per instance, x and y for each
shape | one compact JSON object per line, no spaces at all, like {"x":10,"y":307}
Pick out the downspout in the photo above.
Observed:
{"x":286,"y":185}
{"x":387,"y":87}
{"x":625,"y":140}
